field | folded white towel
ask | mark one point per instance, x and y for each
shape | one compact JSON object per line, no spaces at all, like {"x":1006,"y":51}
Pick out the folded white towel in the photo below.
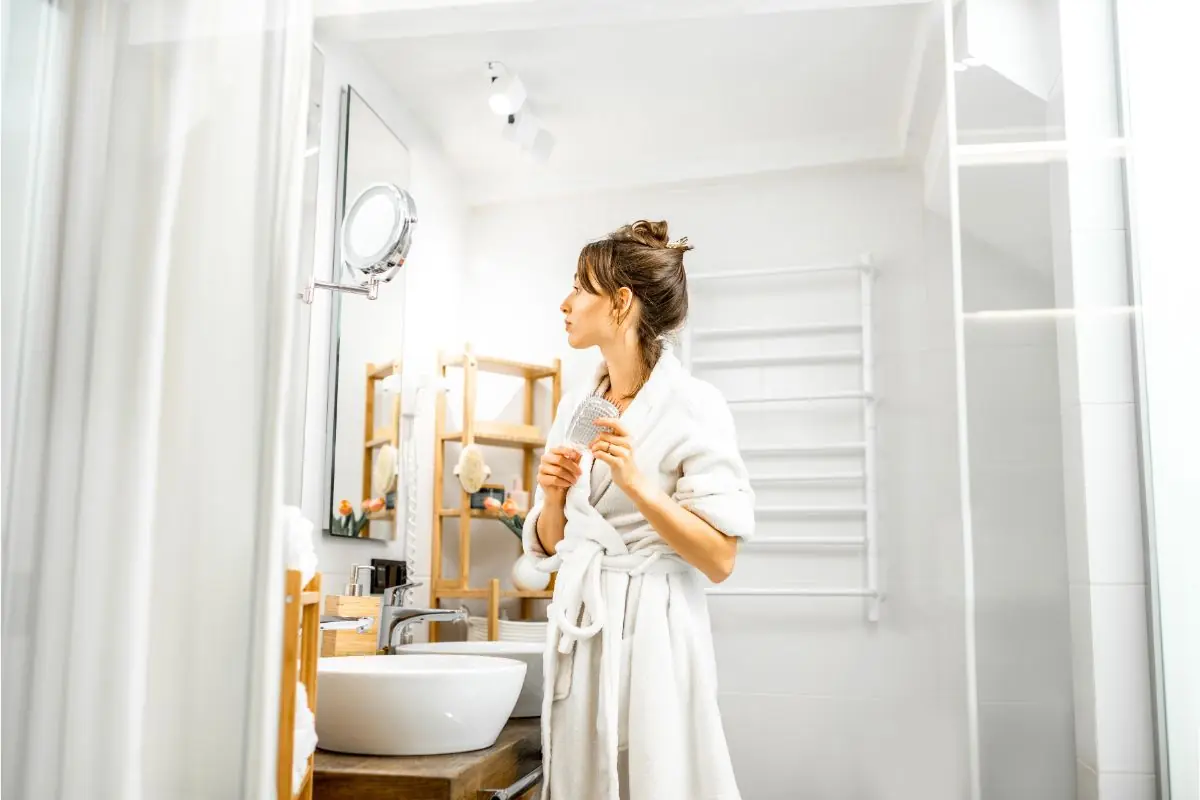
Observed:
{"x":298,"y":543}
{"x":304,"y":742}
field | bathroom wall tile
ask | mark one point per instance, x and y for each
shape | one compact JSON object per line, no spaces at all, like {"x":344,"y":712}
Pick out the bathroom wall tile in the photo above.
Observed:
{"x":1082,"y":675}
{"x":1026,"y":751}
{"x":1087,"y":785}
{"x":1097,"y":190}
{"x":1074,"y":496}
{"x":1100,"y":267}
{"x":1127,"y":786}
{"x":1112,"y":493}
{"x":1104,"y":351}
{"x":1089,"y":65}
{"x":1020,"y":503}
{"x":1124,"y":726}
{"x":1016,"y":380}
{"x":1022,"y":633}
{"x":817,"y":646}
{"x":788,"y":746}
{"x":1068,"y":359}
{"x":1015,"y":440}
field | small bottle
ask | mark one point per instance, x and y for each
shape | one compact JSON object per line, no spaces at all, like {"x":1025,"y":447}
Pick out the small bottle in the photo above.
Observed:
{"x":519,"y":496}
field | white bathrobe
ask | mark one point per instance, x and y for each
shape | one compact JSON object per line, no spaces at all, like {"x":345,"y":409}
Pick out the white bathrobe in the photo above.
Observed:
{"x":629,"y":659}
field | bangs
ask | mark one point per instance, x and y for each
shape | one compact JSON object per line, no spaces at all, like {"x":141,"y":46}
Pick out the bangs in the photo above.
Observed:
{"x":595,"y":268}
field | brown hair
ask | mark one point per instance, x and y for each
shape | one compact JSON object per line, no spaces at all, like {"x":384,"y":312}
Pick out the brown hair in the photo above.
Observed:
{"x":638,"y":256}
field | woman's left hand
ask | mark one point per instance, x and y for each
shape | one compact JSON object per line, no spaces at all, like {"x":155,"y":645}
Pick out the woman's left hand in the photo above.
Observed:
{"x":616,"y":450}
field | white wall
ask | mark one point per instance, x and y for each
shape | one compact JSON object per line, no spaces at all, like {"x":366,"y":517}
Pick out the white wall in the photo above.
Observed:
{"x":433,"y":283}
{"x":816,"y":700}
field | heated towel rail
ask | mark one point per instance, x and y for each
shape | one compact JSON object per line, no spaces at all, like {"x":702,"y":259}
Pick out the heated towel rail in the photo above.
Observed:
{"x":869,"y":590}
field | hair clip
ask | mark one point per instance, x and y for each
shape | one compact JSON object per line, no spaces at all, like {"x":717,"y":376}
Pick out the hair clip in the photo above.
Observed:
{"x":680,"y":244}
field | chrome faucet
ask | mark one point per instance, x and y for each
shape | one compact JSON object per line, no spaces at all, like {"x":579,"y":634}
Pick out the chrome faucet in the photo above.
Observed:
{"x":393,"y":614}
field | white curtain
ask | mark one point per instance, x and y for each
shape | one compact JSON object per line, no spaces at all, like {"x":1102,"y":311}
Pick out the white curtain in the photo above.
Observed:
{"x":150,"y":238}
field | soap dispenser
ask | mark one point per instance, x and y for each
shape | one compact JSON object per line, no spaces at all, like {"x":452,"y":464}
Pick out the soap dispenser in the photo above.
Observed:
{"x":354,"y":587}
{"x":353,"y":602}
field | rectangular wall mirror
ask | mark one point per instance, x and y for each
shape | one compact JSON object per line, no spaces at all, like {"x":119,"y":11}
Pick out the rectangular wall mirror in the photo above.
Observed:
{"x":367,"y":338}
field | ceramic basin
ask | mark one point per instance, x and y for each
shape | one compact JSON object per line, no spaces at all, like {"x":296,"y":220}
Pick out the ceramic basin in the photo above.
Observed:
{"x":414,"y":705}
{"x":529,"y":703}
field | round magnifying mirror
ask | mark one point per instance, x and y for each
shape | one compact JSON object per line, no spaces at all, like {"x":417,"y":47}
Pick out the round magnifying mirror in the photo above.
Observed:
{"x":377,"y":232}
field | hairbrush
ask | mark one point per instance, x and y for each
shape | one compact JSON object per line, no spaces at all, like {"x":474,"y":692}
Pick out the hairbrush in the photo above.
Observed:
{"x":583,"y":430}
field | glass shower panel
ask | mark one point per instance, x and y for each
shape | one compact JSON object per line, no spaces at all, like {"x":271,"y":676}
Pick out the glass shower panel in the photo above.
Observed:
{"x":1061,"y":649}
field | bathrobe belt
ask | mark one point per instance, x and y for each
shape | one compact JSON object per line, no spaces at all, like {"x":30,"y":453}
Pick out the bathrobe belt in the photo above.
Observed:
{"x":580,"y":584}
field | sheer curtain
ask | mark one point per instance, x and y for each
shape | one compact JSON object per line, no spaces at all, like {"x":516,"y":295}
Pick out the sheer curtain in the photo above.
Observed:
{"x":151,"y":208}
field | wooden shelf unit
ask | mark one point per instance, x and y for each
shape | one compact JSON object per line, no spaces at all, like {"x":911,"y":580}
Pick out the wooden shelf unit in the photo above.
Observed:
{"x":301,"y":628}
{"x":374,"y":438}
{"x":524,"y":436}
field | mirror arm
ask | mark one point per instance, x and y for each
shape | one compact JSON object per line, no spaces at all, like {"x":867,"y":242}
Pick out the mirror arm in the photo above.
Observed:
{"x":371,"y":290}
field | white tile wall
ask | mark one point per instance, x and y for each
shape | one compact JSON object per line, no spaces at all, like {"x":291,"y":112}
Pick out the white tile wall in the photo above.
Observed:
{"x":1083,"y":675}
{"x":1103,"y":351}
{"x":1127,"y":786}
{"x":1026,"y":751}
{"x":1100,"y":456}
{"x":841,"y":748}
{"x":1124,"y":732}
{"x":1112,"y":493}
{"x":1074,"y":506}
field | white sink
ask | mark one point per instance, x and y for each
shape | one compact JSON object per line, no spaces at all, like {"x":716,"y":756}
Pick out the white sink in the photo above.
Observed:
{"x":414,"y":705}
{"x":529,"y":704}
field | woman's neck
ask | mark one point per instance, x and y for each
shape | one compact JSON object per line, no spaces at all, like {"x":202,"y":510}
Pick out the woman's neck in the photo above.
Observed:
{"x":623,"y":359}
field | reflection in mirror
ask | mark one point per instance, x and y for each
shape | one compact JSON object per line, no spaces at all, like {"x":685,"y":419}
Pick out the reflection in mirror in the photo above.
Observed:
{"x":363,"y":436}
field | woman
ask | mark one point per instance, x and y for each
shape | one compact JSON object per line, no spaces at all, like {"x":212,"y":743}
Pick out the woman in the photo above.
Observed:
{"x":631,"y":524}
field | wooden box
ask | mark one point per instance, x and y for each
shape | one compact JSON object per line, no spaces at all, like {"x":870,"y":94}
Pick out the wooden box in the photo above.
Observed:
{"x":351,"y":643}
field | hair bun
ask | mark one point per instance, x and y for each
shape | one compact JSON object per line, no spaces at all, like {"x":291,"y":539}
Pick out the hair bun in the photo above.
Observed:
{"x":646,"y":232}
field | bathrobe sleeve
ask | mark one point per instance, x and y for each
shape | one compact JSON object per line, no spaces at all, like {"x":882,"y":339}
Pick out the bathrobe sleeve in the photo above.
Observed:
{"x":529,"y":539}
{"x":714,"y":483}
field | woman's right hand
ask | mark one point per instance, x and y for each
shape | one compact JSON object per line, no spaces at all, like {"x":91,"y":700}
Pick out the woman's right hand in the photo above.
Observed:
{"x":557,"y":472}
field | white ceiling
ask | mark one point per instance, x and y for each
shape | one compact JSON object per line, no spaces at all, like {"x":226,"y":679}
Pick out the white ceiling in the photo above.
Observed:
{"x":649,"y":92}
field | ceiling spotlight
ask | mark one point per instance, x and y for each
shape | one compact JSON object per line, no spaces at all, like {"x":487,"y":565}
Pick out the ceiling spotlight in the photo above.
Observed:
{"x":506,"y":93}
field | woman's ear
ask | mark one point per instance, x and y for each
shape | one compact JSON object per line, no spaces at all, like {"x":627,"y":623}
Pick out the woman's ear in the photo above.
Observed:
{"x":624,"y":303}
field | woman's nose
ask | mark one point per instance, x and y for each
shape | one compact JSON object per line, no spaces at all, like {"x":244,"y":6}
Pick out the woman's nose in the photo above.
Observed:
{"x":564,"y":307}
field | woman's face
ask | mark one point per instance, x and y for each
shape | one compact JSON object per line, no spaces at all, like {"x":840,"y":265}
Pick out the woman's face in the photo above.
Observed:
{"x":589,"y":318}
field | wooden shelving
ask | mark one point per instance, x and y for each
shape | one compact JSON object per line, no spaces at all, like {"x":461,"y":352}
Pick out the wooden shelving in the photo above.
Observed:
{"x":301,"y":624}
{"x":501,"y":435}
{"x":503,"y":366}
{"x":525,"y":436}
{"x":474,"y":513}
{"x":374,"y":438}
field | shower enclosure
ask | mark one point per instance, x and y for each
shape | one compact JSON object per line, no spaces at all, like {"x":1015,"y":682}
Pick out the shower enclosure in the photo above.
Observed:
{"x":1058,"y":600}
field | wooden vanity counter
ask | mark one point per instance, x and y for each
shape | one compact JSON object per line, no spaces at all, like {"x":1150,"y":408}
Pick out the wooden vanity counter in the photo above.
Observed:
{"x":337,"y":776}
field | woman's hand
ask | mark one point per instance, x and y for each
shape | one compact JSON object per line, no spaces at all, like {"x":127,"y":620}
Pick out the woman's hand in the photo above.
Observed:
{"x":616,"y":450}
{"x":557,"y":472}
